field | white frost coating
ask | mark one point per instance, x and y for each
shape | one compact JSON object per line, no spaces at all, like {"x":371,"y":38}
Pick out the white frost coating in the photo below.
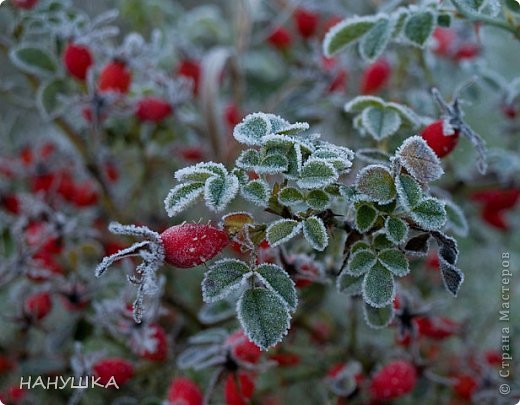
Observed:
{"x":297,"y":226}
{"x":390,"y":123}
{"x":458,"y":225}
{"x":419,"y":159}
{"x":367,"y":299}
{"x":230,"y":288}
{"x":314,"y":238}
{"x":316,"y":180}
{"x":252,"y":129}
{"x":218,"y":196}
{"x":269,"y":286}
{"x":390,"y":235}
{"x":250,"y":192}
{"x":202,"y":168}
{"x":365,"y":316}
{"x":359,"y":103}
{"x":406,"y":113}
{"x":280,"y":125}
{"x":174,"y":203}
{"x":141,"y":231}
{"x":433,"y":220}
{"x":373,"y":196}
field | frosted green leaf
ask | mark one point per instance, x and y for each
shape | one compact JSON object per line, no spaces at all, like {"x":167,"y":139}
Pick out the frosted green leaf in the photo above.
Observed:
{"x":317,"y":173}
{"x":419,"y":26}
{"x":252,"y":129}
{"x":318,"y":200}
{"x":201,"y":172}
{"x":360,"y":103}
{"x":380,"y":122}
{"x":33,"y":60}
{"x":456,"y":219}
{"x":408,"y":116}
{"x":290,"y":196}
{"x":378,"y":318}
{"x":348,"y":284}
{"x":378,"y":287}
{"x":248,"y":159}
{"x":381,"y":241}
{"x":222,"y":278}
{"x":276,"y":279}
{"x":182,"y":196}
{"x":359,"y":245}
{"x":377,"y":183}
{"x":272,"y":164}
{"x":346,"y":33}
{"x":264,"y":317}
{"x":257,"y":191}
{"x":409,"y":191}
{"x":49,"y":98}
{"x":340,"y":158}
{"x":375,"y":41}
{"x":419,"y":160}
{"x":372,"y":155}
{"x":360,"y":262}
{"x":396,"y":230}
{"x":395,"y":261}
{"x":282,"y":230}
{"x":282,"y":126}
{"x":429,"y":214}
{"x":399,"y":16}
{"x":471,"y":6}
{"x":366,"y":216}
{"x":220,"y":191}
{"x":295,"y":161}
{"x":315,"y":232}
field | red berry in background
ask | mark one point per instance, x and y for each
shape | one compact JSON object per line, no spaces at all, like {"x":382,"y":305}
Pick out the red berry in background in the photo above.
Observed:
{"x":122,"y":370}
{"x":190,"y":245}
{"x":493,"y":357}
{"x":238,"y":394}
{"x":161,"y":345}
{"x":466,"y":52}
{"x":242,"y":348}
{"x":280,"y":38}
{"x":184,"y":391}
{"x":498,"y":199}
{"x":6,"y":364}
{"x":85,"y":194}
{"x":10,"y":203}
{"x":339,"y":83}
{"x":441,"y":144}
{"x":465,"y":386}
{"x":115,"y":76}
{"x":232,"y":115}
{"x":153,"y":109}
{"x":39,"y":235}
{"x":46,"y":267}
{"x":306,"y":22}
{"x":38,"y":305}
{"x":77,"y":60}
{"x":191,"y":69}
{"x":394,"y":380}
{"x":375,"y":77}
{"x":509,"y":111}
{"x":495,"y":218}
{"x":13,"y":395}
{"x":286,"y":359}
{"x":445,"y":39}
{"x":191,"y":153}
{"x":437,"y":327}
{"x":24,"y":4}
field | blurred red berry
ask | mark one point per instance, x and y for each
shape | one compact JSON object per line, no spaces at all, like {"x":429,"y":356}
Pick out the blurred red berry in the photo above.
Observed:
{"x":280,"y":38}
{"x":466,"y":52}
{"x":496,"y":219}
{"x":509,"y":111}
{"x":120,"y":369}
{"x":115,"y":76}
{"x":46,"y":266}
{"x":191,"y":69}
{"x":444,"y":41}
{"x":375,"y":77}
{"x":498,"y":199}
{"x":184,"y":391}
{"x":153,"y":109}
{"x":191,"y":153}
{"x":85,"y":194}
{"x":14,"y":395}
{"x":6,"y":364}
{"x":38,"y":305}
{"x":465,"y":386}
{"x":241,"y":393}
{"x":286,"y":359}
{"x":39,"y":235}
{"x":232,"y":115}
{"x":10,"y":203}
{"x":161,"y":345}
{"x":394,"y":380}
{"x":306,"y":22}
{"x":24,"y":4}
{"x":190,"y":245}
{"x":441,"y":144}
{"x":493,"y":357}
{"x":437,"y":327}
{"x":242,"y":348}
{"x":77,"y":60}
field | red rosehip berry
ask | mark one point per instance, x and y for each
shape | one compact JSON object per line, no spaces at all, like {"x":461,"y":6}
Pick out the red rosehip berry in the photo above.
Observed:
{"x":120,"y":369}
{"x":85,"y":194}
{"x":232,"y":115}
{"x":394,"y":380}
{"x":38,"y":305}
{"x":375,"y":77}
{"x":190,"y":245}
{"x":24,"y":4}
{"x":115,"y":76}
{"x":441,"y":144}
{"x":242,"y":349}
{"x":191,"y":153}
{"x":493,"y":357}
{"x":184,"y":391}
{"x":437,"y":327}
{"x":47,"y":267}
{"x":191,"y":69}
{"x":286,"y":359}
{"x":497,"y":199}
{"x":466,"y":52}
{"x":495,"y":218}
{"x":241,"y":393}
{"x":444,"y":41}
{"x":465,"y":386}
{"x":160,"y":352}
{"x":77,"y":60}
{"x":6,"y":364}
{"x":14,"y":395}
{"x":509,"y":111}
{"x":280,"y":38}
{"x":40,"y":236}
{"x":306,"y":22}
{"x":153,"y":109}
{"x":10,"y":203}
